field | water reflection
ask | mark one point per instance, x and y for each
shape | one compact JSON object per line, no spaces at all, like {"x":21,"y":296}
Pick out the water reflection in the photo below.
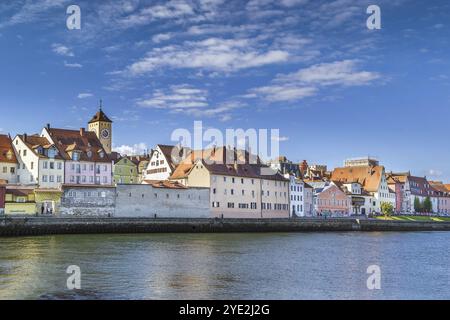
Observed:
{"x":226,"y":266}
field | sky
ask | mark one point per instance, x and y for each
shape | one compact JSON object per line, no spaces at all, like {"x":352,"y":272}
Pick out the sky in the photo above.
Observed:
{"x":311,"y":69}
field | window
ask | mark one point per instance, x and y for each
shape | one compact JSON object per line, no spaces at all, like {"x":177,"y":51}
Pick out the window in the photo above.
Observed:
{"x":242,"y":181}
{"x":232,"y":180}
{"x":52,"y":165}
{"x":59,"y":165}
{"x":31,"y":165}
{"x":105,"y":179}
{"x":214,"y":191}
{"x":12,"y":170}
{"x":230,"y":205}
{"x":5,"y":169}
{"x":59,"y":179}
{"x":24,"y":153}
{"x":215,"y":204}
{"x":52,"y":178}
{"x":44,"y":178}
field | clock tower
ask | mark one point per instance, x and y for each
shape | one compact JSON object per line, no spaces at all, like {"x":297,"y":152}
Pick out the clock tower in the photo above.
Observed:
{"x":102,"y":126}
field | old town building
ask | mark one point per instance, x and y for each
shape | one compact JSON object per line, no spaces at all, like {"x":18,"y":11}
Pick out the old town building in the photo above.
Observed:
{"x":8,"y":160}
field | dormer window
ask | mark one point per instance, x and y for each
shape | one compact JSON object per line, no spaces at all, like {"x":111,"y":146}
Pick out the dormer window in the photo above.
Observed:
{"x":89,"y":154}
{"x":52,"y":153}
{"x":102,"y":154}
{"x":75,"y":156}
{"x":9,"y":155}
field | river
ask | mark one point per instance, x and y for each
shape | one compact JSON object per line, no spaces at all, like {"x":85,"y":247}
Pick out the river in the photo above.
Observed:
{"x":413,"y":265}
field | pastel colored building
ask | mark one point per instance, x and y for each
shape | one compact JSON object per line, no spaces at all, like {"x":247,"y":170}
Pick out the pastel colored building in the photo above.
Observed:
{"x":443,"y":195}
{"x":125,"y":170}
{"x":238,"y":189}
{"x":300,"y":197}
{"x":8,"y":160}
{"x":372,"y":179}
{"x":40,"y":163}
{"x":329,"y":199}
{"x":141,"y":163}
{"x":20,"y":201}
{"x":163,"y":161}
{"x":2,"y":198}
{"x":85,"y":160}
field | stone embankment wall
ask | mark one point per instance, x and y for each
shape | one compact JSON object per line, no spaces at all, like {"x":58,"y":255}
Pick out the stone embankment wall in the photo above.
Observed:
{"x":51,"y":225}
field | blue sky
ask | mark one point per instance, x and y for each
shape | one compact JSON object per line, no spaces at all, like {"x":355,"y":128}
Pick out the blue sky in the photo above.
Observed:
{"x":309,"y":68}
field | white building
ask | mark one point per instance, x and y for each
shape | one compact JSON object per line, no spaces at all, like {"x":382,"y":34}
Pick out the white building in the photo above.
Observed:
{"x":8,"y":160}
{"x":39,"y":162}
{"x":163,"y":162}
{"x":300,"y":197}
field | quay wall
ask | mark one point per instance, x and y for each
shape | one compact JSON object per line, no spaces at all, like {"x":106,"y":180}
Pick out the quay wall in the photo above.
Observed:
{"x":14,"y":226}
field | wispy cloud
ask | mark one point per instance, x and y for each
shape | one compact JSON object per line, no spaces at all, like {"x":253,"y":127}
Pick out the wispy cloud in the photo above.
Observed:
{"x":85,"y":95}
{"x":225,"y":55}
{"x":177,"y":98}
{"x":62,"y":50}
{"x":307,"y":82}
{"x":72,"y":65}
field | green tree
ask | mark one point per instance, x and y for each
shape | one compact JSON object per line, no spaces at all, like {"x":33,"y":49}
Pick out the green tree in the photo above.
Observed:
{"x":387,"y":209}
{"x":417,"y":205}
{"x":427,"y":205}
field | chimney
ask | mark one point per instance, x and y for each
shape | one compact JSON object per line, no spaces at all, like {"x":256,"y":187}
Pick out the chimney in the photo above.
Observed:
{"x":48,"y":126}
{"x":24,"y":137}
{"x":82,"y":131}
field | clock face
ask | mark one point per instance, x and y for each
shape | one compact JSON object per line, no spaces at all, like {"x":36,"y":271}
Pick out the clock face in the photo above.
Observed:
{"x":105,"y":133}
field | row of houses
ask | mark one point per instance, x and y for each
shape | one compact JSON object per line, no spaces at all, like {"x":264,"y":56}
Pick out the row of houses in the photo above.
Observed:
{"x":75,"y":172}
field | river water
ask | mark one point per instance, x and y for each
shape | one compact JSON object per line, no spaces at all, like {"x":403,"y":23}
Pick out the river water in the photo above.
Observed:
{"x":413,"y":265}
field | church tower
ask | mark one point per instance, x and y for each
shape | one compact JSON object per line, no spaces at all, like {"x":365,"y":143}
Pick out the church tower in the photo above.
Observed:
{"x":102,"y":126}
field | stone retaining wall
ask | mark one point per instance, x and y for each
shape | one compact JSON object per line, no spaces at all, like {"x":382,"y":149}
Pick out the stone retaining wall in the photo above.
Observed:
{"x":52,"y":225}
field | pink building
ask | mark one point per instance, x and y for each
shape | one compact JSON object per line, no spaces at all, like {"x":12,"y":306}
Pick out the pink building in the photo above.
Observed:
{"x":86,"y":161}
{"x":330,"y":199}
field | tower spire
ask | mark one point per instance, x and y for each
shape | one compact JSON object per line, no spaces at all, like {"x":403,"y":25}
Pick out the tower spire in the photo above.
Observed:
{"x":101,"y":105}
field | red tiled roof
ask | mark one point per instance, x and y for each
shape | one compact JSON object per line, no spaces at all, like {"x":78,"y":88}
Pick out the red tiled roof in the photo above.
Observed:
{"x":79,"y":140}
{"x":35,"y":141}
{"x":368,"y":176}
{"x":7,"y":153}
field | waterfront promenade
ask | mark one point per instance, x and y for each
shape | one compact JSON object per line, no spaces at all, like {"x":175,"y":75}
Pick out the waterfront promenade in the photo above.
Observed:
{"x":23,"y":226}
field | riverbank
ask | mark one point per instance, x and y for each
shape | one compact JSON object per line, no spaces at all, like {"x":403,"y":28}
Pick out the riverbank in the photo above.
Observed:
{"x":31,"y":226}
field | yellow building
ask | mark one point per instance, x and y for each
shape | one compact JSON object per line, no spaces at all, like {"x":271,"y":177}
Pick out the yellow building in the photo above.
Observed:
{"x":20,"y":201}
{"x":47,"y":201}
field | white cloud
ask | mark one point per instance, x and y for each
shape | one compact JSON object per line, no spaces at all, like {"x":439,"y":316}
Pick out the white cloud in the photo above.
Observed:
{"x":215,"y":54}
{"x":136,"y":149}
{"x":72,"y":65}
{"x":62,"y":50}
{"x":285,"y":92}
{"x":307,"y":82}
{"x":178,"y":97}
{"x":335,"y":73}
{"x":161,"y":37}
{"x":85,"y":95}
{"x":33,"y":10}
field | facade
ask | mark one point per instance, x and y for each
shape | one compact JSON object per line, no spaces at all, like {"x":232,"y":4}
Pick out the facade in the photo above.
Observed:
{"x":361,"y":200}
{"x":125,"y":171}
{"x":363,"y":161}
{"x":373,"y":181}
{"x":300,"y":197}
{"x":88,"y":200}
{"x":85,"y":160}
{"x":329,"y":199}
{"x":141,"y":163}
{"x":239,"y":189}
{"x":163,"y":199}
{"x":419,"y":188}
{"x":8,"y":160}
{"x":20,"y":201}
{"x":101,"y":125}
{"x":443,"y":195}
{"x":163,"y":161}
{"x":2,"y":198}
{"x":40,"y":163}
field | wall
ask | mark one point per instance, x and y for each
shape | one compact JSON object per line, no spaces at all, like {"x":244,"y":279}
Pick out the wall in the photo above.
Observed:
{"x":25,"y":173}
{"x":10,"y":177}
{"x":143,"y":200}
{"x":2,"y":199}
{"x":55,"y":173}
{"x":87,"y":201}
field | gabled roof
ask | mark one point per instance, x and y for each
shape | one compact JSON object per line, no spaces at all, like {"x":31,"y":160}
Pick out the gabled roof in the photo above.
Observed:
{"x":80,"y":140}
{"x":168,"y":151}
{"x":419,"y":186}
{"x":7,"y":153}
{"x":368,"y":176}
{"x":219,"y":161}
{"x":35,"y":141}
{"x":100,"y":116}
